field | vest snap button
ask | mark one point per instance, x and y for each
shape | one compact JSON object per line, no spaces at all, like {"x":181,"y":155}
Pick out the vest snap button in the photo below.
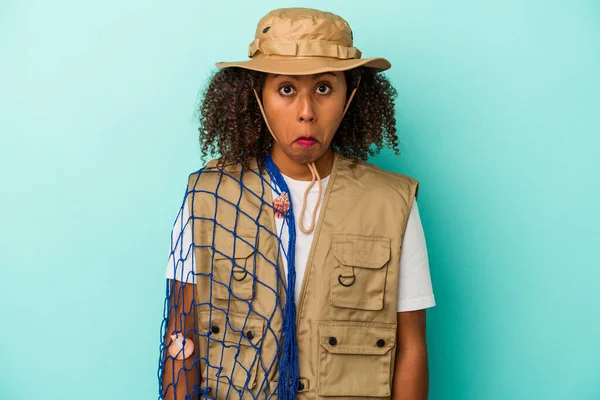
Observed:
{"x":380,"y":343}
{"x":332,"y":341}
{"x":300,"y":386}
{"x":250,"y":335}
{"x":214,"y":329}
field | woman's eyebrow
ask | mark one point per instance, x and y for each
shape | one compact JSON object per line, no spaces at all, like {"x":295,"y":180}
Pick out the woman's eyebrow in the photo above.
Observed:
{"x":295,"y":77}
{"x":325,"y":73}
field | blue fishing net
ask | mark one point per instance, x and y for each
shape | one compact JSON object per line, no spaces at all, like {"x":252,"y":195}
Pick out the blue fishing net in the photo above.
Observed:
{"x":181,"y":302}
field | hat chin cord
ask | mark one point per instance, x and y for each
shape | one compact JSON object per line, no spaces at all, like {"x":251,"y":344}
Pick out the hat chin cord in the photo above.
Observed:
{"x":311,"y":165}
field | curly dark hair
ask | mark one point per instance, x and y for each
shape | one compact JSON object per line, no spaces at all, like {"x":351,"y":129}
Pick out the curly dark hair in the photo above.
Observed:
{"x":232,"y":125}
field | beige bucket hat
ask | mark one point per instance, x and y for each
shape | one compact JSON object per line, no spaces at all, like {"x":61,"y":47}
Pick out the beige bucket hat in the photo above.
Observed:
{"x":304,"y":41}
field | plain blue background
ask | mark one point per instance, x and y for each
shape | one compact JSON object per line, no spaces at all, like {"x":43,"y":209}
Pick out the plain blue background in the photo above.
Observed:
{"x":498,"y":119}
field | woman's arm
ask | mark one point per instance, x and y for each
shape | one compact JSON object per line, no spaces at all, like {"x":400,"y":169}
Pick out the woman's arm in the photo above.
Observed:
{"x":181,"y":377}
{"x":411,"y":376}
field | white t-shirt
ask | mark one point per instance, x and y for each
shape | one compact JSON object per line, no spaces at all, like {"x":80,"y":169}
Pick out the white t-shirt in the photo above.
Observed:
{"x":414,"y":286}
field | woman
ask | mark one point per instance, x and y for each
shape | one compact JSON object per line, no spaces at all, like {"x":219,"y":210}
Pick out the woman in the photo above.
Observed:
{"x":297,"y":269}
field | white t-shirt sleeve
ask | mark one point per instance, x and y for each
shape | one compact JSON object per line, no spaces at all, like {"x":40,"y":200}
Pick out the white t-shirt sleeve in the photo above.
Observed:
{"x":181,"y":264}
{"x":415,"y":291}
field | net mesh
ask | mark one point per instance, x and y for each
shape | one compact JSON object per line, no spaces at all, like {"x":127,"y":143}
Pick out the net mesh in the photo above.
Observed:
{"x":240,"y":354}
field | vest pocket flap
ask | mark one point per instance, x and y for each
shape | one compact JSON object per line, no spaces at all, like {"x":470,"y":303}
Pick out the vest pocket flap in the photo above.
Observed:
{"x":232,"y":347}
{"x":364,"y":251}
{"x":243,"y":240}
{"x":236,"y":329}
{"x":346,"y":337}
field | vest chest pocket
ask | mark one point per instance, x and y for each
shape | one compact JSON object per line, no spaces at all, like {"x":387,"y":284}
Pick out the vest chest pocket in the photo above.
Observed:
{"x":355,"y":358}
{"x":233,"y":272}
{"x":358,"y":278}
{"x":233,"y":350}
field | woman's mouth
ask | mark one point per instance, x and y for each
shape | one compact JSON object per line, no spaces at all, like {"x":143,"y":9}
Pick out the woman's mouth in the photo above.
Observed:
{"x":306,"y":141}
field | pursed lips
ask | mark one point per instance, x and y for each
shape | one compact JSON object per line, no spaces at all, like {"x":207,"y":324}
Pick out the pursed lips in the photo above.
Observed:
{"x":306,"y":141}
{"x":306,"y":138}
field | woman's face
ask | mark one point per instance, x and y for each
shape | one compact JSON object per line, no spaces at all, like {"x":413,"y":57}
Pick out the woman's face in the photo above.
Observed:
{"x":304,"y":112}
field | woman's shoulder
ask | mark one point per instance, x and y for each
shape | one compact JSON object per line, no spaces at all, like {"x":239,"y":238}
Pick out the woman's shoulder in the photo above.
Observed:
{"x":216,"y":170}
{"x":376,"y":172}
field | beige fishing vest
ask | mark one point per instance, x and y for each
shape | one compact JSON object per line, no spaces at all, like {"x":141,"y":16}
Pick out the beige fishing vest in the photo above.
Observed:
{"x":346,"y":316}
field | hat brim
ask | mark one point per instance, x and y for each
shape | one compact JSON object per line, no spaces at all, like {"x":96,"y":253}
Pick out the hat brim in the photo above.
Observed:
{"x":287,"y":65}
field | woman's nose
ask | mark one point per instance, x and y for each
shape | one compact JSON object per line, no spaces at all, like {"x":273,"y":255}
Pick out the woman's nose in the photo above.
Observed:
{"x":306,"y":109}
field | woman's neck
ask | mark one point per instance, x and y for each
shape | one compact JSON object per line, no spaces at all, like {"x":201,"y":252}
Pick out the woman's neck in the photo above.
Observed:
{"x":300,"y":171}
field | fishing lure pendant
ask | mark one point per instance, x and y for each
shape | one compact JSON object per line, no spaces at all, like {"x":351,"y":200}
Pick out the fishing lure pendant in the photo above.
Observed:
{"x":177,"y":345}
{"x":281,"y":205}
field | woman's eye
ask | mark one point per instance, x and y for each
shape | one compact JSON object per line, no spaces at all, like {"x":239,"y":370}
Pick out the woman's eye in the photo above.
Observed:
{"x":323,"y":89}
{"x":286,"y":90}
